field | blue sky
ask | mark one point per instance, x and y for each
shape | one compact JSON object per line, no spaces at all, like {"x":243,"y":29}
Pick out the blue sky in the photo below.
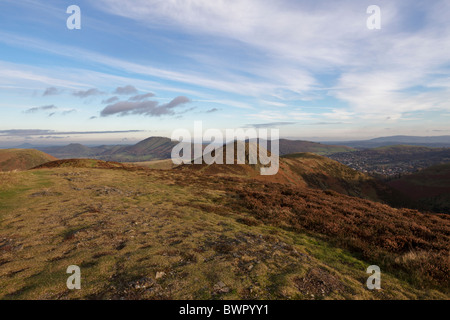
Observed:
{"x":145,"y":68}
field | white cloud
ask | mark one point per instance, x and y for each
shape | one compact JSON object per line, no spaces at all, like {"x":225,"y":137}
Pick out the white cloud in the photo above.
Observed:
{"x":375,"y":70}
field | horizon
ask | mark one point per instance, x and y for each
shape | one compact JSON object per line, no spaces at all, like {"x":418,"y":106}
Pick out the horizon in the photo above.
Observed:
{"x":129,"y":142}
{"x":147,"y":68}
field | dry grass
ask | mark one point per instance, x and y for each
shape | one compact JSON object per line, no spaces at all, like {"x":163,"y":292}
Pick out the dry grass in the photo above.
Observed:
{"x":413,"y":245}
{"x":123,"y":226}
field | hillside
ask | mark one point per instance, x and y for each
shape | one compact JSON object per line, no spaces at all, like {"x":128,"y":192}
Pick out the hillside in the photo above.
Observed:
{"x":83,"y":163}
{"x":153,"y":148}
{"x":22,"y":159}
{"x":153,"y":234}
{"x":393,"y":160}
{"x":429,"y":187}
{"x":310,"y":170}
{"x":298,"y":146}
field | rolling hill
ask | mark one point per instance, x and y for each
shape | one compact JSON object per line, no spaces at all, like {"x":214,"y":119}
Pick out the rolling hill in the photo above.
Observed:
{"x":171,"y":234}
{"x":298,"y":146}
{"x":153,"y":148}
{"x":160,"y":148}
{"x":22,"y":159}
{"x":308,"y":170}
{"x":429,"y":187}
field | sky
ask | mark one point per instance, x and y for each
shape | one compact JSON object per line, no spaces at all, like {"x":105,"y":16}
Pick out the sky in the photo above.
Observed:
{"x":312,"y":69}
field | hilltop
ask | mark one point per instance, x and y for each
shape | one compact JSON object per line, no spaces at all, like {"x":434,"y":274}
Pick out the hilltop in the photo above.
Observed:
{"x":22,"y":159}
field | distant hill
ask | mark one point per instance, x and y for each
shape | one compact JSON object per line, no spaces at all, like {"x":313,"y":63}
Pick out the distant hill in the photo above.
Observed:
{"x":22,"y":159}
{"x":296,"y":146}
{"x":430,"y":187}
{"x":436,"y":142}
{"x":153,"y":148}
{"x":393,"y":160}
{"x":160,"y":148}
{"x":74,"y":150}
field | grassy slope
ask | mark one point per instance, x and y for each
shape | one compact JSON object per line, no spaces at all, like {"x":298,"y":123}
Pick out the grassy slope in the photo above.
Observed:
{"x":22,"y":159}
{"x":430,"y":187}
{"x":122,"y":227}
{"x":315,"y":171}
{"x":156,"y":164}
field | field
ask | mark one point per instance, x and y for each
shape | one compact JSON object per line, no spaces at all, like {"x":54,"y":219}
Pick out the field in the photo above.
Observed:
{"x":138,"y":233}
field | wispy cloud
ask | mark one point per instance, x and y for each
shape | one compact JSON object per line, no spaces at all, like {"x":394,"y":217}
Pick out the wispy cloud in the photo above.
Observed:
{"x":43,"y":108}
{"x":39,"y":132}
{"x":66,"y":112}
{"x":141,"y":97}
{"x":269,"y":125}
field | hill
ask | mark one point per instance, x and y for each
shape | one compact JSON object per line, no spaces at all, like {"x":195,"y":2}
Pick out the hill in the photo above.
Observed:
{"x":154,"y":234}
{"x":323,"y":173}
{"x":22,"y":159}
{"x":153,"y":148}
{"x":308,"y":170}
{"x":84,"y":163}
{"x":393,"y":160}
{"x":436,"y":141}
{"x":429,"y":187}
{"x":76,"y":150}
{"x":298,"y":146}
{"x":160,"y":148}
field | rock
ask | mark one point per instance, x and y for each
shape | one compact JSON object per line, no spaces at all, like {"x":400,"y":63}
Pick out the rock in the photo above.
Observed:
{"x":221,"y":287}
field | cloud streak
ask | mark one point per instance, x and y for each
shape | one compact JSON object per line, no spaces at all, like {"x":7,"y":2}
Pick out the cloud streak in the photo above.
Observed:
{"x":43,"y":108}
{"x":141,"y":97}
{"x":268,"y":125}
{"x":40,"y":132}
{"x":147,"y":108}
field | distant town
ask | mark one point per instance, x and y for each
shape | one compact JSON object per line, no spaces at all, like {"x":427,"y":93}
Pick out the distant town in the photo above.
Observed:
{"x":393,"y":161}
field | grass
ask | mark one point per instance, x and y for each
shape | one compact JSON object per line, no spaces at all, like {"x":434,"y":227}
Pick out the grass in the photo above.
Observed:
{"x":123,"y":227}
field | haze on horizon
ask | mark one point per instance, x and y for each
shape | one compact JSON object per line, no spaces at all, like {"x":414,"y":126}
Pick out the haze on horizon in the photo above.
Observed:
{"x":145,"y":68}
